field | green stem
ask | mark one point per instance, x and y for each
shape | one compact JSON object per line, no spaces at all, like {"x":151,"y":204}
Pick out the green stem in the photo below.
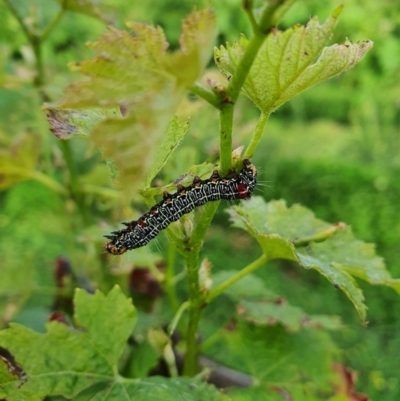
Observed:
{"x":190,"y":367}
{"x":193,"y":247}
{"x":320,"y":236}
{"x":248,"y":154}
{"x":236,"y":277}
{"x":226,"y":124}
{"x":74,"y":181}
{"x":52,"y":25}
{"x":48,"y":182}
{"x":178,"y":315}
{"x":38,"y":176}
{"x":169,"y":278}
{"x":205,"y":94}
{"x":225,"y":136}
{"x":243,"y":68}
{"x":248,"y":8}
{"x":237,"y":81}
{"x":40,"y":78}
{"x":101,"y":191}
{"x":18,"y":18}
{"x":199,"y":233}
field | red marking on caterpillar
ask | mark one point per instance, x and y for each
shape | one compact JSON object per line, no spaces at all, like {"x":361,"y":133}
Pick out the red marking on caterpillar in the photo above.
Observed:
{"x":174,"y":206}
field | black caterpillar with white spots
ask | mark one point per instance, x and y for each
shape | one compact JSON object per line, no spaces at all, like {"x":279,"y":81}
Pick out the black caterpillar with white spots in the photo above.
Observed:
{"x":138,"y":233}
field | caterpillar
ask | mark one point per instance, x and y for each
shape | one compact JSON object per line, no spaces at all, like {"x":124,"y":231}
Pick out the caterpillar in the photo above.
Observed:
{"x":139,"y":232}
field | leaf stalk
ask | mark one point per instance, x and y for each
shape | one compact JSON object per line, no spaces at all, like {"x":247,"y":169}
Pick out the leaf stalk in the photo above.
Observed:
{"x":235,"y":278}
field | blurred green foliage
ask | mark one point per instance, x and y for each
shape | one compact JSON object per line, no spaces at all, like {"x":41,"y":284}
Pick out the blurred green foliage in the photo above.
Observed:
{"x":333,"y":149}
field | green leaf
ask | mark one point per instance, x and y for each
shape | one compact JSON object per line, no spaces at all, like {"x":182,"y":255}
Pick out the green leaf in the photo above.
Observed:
{"x":70,"y":361}
{"x":145,"y":358}
{"x":135,"y":74}
{"x":170,"y":142}
{"x":65,"y":360}
{"x":159,"y":388}
{"x":278,"y":359}
{"x":359,"y":260}
{"x":338,"y":258}
{"x":290,"y":62}
{"x":260,"y":306}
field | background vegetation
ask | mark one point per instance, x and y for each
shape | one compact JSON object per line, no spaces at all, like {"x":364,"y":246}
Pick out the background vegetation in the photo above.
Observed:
{"x":333,"y":149}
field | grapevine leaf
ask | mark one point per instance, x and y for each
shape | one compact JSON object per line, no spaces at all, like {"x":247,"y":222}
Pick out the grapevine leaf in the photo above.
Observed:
{"x":65,"y":361}
{"x":170,"y":142}
{"x":135,"y":74}
{"x":338,"y":258}
{"x":18,"y":161}
{"x":260,"y":306}
{"x":291,"y":61}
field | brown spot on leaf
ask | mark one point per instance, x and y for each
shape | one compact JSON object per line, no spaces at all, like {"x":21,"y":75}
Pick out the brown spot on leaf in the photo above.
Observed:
{"x":348,"y":379}
{"x":58,"y":121}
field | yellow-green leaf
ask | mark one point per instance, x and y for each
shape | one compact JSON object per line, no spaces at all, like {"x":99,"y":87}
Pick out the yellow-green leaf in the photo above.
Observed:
{"x":291,"y":61}
{"x":135,"y":74}
{"x":196,"y":41}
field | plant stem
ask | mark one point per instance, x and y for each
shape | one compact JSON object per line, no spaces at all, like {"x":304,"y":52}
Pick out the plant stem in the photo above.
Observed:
{"x":48,"y":182}
{"x":236,"y":277}
{"x":190,"y":367}
{"x":104,"y":192}
{"x":320,"y":236}
{"x":74,"y":182}
{"x":197,"y":238}
{"x":38,"y":176}
{"x":169,"y":274}
{"x":248,"y":8}
{"x":225,"y":137}
{"x":205,"y":94}
{"x":227,"y":101}
{"x":237,"y":81}
{"x":52,"y":25}
{"x":18,"y":18}
{"x":243,"y":68}
{"x":177,"y":318}
{"x":40,"y":78}
{"x":248,"y":154}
